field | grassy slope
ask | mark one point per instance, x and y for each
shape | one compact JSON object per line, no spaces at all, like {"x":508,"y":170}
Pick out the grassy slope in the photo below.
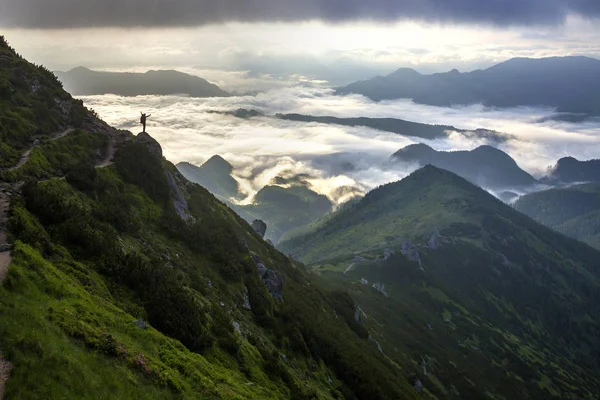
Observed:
{"x":501,"y":307}
{"x":73,"y":308}
{"x":573,"y":211}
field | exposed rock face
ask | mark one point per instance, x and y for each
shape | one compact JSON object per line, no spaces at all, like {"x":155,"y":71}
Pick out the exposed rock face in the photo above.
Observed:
{"x":153,"y":146}
{"x":387,"y":253}
{"x":434,"y":240}
{"x":259,"y":227}
{"x":410,"y":251}
{"x":272,"y":279}
{"x":237,"y":328}
{"x":246,"y":303}
{"x":179,"y":201}
{"x":380,"y":287}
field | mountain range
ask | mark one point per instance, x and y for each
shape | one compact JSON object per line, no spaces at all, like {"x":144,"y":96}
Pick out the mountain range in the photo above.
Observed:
{"x":568,"y":84}
{"x":486,"y":166}
{"x":83,"y":81}
{"x":126,"y":280}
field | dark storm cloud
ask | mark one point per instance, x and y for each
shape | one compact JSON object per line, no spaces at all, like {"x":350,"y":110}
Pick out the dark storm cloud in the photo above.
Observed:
{"x":151,"y":13}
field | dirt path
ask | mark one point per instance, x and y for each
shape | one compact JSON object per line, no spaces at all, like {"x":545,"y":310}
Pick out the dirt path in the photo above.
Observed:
{"x":25,"y":156}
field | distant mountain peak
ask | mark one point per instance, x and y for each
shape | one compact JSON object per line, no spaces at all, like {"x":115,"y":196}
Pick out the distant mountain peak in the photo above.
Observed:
{"x":485,"y":166}
{"x":570,"y":170}
{"x":404,"y":72}
{"x":218,"y":162}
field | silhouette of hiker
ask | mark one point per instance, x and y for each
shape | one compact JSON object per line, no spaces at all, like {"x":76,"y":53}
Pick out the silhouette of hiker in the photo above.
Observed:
{"x":143,"y":120}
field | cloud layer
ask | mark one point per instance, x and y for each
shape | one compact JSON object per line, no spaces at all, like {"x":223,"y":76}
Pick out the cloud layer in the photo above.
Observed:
{"x":153,"y":13}
{"x":333,"y":159}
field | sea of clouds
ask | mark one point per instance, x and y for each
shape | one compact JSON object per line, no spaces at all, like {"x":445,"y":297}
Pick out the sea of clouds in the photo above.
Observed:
{"x":337,"y":161}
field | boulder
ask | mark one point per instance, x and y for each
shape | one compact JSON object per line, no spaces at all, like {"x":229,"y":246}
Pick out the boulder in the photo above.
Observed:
{"x":140,"y":323}
{"x":259,"y":227}
{"x":151,"y":143}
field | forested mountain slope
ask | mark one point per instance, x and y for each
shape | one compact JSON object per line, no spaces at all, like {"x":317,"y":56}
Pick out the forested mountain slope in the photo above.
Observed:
{"x":488,"y":302}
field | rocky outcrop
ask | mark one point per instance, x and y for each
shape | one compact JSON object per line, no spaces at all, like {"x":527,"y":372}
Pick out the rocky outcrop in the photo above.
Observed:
{"x":272,"y":279}
{"x":434,"y":240}
{"x":260,"y":227}
{"x":179,"y":201}
{"x":410,"y":251}
{"x":151,"y":143}
{"x":380,"y":287}
{"x":246,"y":303}
{"x":387,"y":253}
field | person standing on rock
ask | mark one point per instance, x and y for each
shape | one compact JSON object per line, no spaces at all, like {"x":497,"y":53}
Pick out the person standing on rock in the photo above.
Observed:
{"x":143,"y":120}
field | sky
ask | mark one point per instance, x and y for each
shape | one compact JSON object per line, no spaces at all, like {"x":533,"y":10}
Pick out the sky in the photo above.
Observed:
{"x":288,"y":53}
{"x":274,"y":42}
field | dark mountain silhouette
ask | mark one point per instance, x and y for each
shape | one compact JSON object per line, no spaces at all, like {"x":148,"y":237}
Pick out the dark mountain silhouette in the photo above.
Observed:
{"x":570,"y":170}
{"x":84,"y":81}
{"x":570,"y":84}
{"x":485,"y":166}
{"x":214,"y":175}
{"x":395,"y":125}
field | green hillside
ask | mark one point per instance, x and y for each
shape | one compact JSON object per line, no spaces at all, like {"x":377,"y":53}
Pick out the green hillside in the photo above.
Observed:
{"x":485,"y":301}
{"x":573,"y":211}
{"x":128,"y":281}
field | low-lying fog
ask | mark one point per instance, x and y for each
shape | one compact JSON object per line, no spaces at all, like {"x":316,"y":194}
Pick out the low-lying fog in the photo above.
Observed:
{"x":335,"y":157}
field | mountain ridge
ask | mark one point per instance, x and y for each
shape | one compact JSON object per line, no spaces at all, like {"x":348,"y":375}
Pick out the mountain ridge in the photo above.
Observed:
{"x":84,"y":81}
{"x":485,"y":165}
{"x":565,"y":83}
